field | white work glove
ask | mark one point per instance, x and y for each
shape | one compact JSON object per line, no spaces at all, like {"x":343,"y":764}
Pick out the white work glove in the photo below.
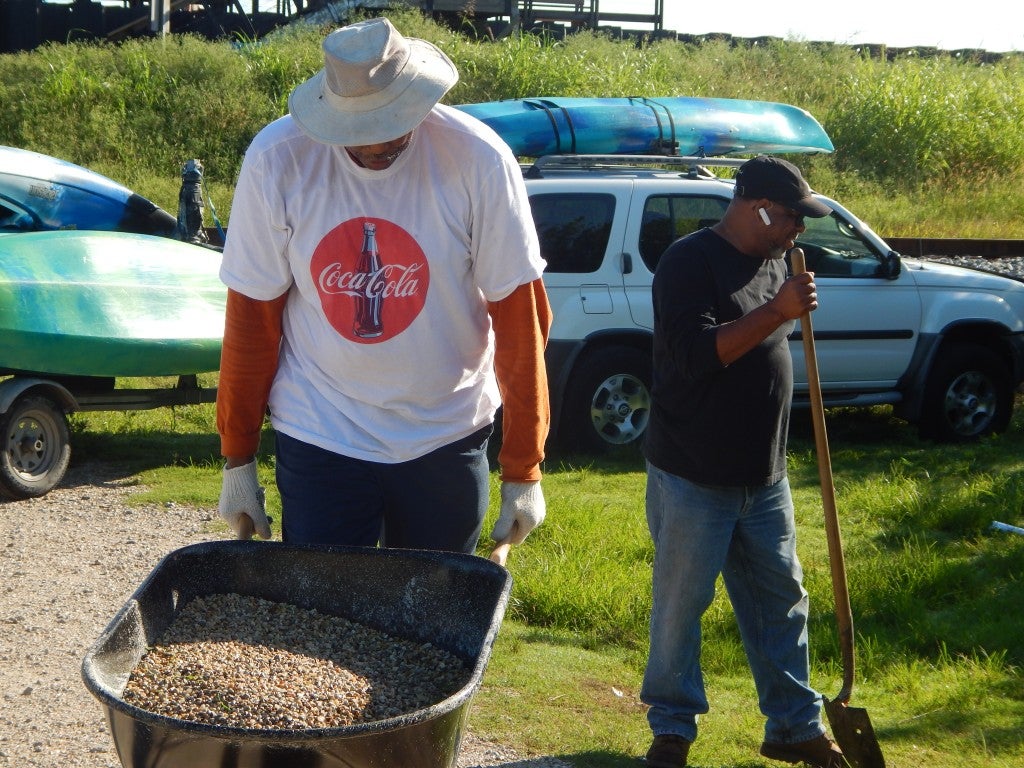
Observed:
{"x":522,"y":506}
{"x":242,"y":502}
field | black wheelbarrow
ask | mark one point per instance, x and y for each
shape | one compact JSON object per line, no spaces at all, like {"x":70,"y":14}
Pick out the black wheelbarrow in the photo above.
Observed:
{"x":455,"y":602}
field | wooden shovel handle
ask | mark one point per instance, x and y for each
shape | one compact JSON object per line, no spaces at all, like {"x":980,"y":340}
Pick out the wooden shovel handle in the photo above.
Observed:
{"x":500,"y":552}
{"x":246,"y":528}
{"x":844,"y":615}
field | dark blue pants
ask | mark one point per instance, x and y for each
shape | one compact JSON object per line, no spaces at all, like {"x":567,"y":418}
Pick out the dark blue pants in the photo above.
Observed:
{"x":437,"y":501}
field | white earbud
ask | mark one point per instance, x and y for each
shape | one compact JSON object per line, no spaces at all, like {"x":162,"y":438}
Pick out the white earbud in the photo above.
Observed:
{"x":764,"y":217}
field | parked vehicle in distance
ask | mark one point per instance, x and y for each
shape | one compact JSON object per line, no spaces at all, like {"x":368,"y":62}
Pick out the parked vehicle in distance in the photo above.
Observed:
{"x":943,"y":345}
{"x":39,"y":193}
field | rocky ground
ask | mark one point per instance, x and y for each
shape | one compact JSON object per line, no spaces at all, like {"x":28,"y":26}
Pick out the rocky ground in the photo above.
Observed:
{"x":1009,"y":267}
{"x":68,"y":562}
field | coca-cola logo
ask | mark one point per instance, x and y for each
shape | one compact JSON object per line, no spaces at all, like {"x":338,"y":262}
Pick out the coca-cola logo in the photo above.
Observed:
{"x":372,"y":279}
{"x":389,"y":280}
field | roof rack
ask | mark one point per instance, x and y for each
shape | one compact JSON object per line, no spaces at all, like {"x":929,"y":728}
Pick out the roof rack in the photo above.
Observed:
{"x":694,"y":164}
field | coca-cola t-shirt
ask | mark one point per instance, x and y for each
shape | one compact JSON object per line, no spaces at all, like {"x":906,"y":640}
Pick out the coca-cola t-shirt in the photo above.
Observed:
{"x":387,"y":350}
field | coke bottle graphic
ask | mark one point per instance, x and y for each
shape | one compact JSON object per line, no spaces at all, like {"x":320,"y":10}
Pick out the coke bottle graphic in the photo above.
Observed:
{"x":370,"y":300}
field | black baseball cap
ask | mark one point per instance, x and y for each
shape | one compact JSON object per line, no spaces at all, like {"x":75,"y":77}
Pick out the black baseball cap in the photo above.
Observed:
{"x":781,"y":182}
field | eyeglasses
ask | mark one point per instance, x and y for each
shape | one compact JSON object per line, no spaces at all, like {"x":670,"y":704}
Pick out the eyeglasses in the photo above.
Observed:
{"x":798,"y":218}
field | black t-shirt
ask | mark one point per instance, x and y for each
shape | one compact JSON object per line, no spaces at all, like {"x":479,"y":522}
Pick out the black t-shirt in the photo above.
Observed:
{"x":714,"y":424}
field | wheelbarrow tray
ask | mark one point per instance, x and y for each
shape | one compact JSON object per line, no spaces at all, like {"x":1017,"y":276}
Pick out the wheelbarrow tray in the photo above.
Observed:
{"x":454,"y":601}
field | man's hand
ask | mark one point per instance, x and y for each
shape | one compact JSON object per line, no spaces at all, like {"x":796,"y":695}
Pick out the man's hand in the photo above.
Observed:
{"x":521,"y":503}
{"x":797,"y":295}
{"x":242,"y":502}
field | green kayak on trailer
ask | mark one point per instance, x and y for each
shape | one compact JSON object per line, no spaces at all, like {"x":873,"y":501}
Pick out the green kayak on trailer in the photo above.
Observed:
{"x":91,"y":303}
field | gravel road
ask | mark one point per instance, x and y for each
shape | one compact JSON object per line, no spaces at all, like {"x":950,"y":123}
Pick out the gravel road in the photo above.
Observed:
{"x":68,"y":562}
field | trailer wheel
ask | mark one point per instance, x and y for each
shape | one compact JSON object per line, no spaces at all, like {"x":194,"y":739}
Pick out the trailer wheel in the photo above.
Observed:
{"x":36,"y":449}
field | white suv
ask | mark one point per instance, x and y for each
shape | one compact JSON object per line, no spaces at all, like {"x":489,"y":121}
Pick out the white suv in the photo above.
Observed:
{"x":944,"y":345}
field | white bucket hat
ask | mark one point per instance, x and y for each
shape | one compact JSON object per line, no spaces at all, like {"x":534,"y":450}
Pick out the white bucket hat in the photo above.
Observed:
{"x":376,"y":85}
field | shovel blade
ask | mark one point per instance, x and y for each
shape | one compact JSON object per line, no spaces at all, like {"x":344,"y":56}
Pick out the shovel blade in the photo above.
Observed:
{"x":852,"y":730}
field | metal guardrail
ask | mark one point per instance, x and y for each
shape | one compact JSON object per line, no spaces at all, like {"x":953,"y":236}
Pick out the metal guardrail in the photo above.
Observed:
{"x":26,"y":24}
{"x":587,"y":14}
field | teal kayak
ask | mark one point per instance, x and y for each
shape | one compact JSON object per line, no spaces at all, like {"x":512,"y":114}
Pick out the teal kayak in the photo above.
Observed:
{"x":534,"y":127}
{"x":109,"y":304}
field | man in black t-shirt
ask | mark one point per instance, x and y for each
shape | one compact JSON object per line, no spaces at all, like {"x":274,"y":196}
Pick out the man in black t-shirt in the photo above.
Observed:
{"x":718,"y":499}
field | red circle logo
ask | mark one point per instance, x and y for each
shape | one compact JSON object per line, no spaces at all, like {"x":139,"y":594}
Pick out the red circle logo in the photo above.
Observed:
{"x":372,"y":278}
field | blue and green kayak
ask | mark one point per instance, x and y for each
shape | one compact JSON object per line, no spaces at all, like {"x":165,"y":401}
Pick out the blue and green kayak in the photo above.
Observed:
{"x":39,"y":193}
{"x":555,"y":125}
{"x":109,"y":304}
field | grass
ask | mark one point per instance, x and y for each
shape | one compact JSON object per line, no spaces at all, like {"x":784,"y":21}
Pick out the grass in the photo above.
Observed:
{"x":937,"y":596}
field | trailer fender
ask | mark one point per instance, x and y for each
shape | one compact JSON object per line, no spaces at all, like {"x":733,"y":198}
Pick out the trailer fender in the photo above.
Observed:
{"x":13,"y":388}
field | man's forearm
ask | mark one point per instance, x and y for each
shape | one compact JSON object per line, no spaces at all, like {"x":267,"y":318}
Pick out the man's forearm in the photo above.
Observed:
{"x":734,"y":339}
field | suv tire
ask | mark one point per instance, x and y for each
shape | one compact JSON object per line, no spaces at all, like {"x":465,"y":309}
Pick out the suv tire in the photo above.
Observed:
{"x":608,"y":399}
{"x":969,"y":394}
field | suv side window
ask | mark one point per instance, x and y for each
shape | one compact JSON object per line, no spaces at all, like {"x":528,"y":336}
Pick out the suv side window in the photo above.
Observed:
{"x":833,"y":249}
{"x":668,"y":217}
{"x":573,"y":229}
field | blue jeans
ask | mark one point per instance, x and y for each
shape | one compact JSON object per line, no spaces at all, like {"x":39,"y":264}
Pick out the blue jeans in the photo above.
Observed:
{"x":437,"y":501}
{"x":748,"y":536}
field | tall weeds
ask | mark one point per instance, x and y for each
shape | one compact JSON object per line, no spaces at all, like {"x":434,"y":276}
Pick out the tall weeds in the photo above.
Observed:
{"x":918,"y":121}
{"x":939,"y":127}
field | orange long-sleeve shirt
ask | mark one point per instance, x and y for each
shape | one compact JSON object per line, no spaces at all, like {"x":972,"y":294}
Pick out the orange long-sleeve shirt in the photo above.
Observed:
{"x":521,"y":322}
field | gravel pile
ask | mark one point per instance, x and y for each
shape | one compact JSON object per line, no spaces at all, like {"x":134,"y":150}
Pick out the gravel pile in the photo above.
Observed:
{"x":1009,"y":267}
{"x":68,"y":562}
{"x":245,"y":662}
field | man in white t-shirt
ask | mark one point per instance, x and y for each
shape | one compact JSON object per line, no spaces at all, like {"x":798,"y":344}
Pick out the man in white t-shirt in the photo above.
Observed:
{"x":385,"y":297}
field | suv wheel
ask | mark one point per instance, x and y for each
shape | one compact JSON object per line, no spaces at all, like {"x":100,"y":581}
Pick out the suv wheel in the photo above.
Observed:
{"x":608,"y":400}
{"x":968,"y":395}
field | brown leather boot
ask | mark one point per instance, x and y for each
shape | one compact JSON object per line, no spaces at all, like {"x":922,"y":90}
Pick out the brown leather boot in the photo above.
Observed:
{"x":668,"y":751}
{"x":820,"y":752}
